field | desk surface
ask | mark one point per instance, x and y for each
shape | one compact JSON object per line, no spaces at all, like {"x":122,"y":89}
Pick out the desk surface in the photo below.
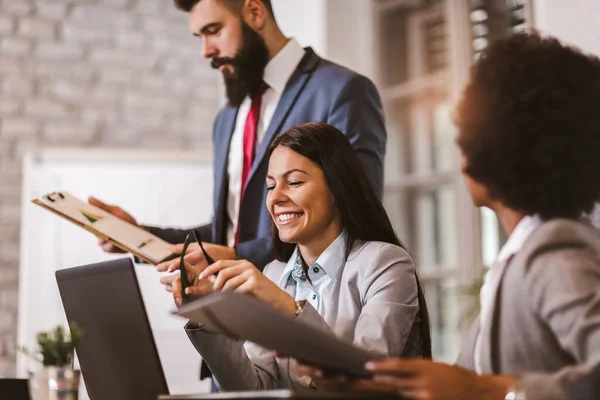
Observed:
{"x":278,"y":394}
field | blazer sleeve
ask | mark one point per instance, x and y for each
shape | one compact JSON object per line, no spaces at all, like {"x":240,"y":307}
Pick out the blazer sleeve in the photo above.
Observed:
{"x":357,"y":111}
{"x":230,"y":362}
{"x":175,"y":236}
{"x":565,"y":295}
{"x":258,"y":251}
{"x":238,"y":366}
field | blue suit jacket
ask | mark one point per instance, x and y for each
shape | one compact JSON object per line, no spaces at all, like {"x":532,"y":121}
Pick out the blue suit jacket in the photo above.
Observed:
{"x":317,"y":91}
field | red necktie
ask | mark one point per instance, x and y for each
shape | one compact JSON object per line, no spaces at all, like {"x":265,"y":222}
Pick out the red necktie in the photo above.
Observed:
{"x":250,"y":141}
{"x":250,"y":135}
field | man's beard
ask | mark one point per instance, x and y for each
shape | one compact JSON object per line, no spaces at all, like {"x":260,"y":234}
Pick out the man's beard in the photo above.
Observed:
{"x":248,"y":67}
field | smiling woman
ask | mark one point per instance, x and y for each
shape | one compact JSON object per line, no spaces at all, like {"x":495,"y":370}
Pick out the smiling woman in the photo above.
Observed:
{"x":301,"y":204}
{"x":340,"y":266}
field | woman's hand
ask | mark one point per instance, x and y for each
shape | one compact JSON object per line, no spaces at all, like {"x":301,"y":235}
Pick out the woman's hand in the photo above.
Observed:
{"x":328,"y":382}
{"x":429,"y":380}
{"x":199,"y":286}
{"x":416,"y":379}
{"x":243,"y":277}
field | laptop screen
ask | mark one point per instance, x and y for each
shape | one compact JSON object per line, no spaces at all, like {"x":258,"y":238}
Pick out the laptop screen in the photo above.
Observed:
{"x":118,"y":356}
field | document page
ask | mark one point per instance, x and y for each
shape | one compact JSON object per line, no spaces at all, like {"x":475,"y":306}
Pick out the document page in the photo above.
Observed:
{"x":135,"y":239}
{"x":243,"y":317}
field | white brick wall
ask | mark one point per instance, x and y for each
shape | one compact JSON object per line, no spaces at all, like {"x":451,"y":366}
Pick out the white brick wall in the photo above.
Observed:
{"x":121,"y":73}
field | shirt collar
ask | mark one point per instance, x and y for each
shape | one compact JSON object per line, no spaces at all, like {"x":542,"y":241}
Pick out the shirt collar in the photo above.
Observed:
{"x":281,"y":67}
{"x":331,"y":260}
{"x":519,"y":236}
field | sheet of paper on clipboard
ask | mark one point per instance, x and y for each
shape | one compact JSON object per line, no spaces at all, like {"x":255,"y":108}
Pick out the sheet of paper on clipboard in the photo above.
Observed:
{"x":124,"y":235}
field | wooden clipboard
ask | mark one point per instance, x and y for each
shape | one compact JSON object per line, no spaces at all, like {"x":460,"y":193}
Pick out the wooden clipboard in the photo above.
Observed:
{"x":100,"y":234}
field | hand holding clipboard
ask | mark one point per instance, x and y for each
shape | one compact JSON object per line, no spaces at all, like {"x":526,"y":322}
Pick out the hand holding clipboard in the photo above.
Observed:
{"x":111,"y":229}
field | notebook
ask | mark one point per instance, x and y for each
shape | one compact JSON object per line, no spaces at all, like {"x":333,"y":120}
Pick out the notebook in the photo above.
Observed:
{"x":243,"y":317}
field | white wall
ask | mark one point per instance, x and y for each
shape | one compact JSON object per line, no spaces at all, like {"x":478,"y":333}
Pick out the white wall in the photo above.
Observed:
{"x":49,"y":243}
{"x":350,"y":34}
{"x":303,"y":20}
{"x":106,"y":73}
{"x":572,"y":21}
{"x":339,"y":30}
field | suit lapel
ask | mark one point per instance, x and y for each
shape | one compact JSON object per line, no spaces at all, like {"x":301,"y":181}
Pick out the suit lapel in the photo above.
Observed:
{"x":222,"y":144}
{"x":293,"y":89}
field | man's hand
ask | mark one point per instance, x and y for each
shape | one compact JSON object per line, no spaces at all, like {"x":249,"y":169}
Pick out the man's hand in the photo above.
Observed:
{"x":117,"y":212}
{"x":195,"y":257}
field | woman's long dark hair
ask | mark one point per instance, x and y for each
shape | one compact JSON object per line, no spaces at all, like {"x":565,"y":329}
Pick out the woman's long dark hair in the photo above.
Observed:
{"x":361,"y":213}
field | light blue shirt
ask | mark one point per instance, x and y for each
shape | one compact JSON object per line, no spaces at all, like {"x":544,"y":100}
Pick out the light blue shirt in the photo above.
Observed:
{"x":323,"y":274}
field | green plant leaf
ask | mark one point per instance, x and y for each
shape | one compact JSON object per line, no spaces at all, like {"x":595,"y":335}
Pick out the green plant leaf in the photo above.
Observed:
{"x":56,"y":347}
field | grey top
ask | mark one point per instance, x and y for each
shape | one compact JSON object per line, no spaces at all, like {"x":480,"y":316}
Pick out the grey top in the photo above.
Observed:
{"x":545,"y":323}
{"x":372,"y":301}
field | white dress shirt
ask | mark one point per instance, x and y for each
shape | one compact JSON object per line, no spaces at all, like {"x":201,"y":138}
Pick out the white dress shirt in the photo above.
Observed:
{"x":277,"y":73}
{"x":515,"y":242}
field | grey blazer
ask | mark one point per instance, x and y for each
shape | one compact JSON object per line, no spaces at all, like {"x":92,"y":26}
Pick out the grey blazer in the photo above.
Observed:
{"x":545,"y":323}
{"x":373,"y":303}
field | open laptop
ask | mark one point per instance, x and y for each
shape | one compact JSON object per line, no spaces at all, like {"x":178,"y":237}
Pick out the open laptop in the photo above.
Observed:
{"x":117,"y":355}
{"x":14,"y":389}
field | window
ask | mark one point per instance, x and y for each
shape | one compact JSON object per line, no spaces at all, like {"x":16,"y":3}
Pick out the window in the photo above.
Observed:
{"x":424,"y":51}
{"x":421,"y":161}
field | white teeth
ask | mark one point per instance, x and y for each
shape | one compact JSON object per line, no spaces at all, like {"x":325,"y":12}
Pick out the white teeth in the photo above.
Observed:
{"x":287,"y":217}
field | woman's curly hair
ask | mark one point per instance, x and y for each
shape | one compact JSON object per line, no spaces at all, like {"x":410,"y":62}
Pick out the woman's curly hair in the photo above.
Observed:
{"x":529,"y":126}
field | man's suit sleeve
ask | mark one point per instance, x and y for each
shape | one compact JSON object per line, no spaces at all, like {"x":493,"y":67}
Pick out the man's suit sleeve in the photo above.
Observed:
{"x":357,"y":112}
{"x":174,"y":236}
{"x":258,"y":251}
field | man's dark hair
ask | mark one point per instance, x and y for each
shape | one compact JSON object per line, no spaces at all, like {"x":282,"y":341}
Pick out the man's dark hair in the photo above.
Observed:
{"x":529,"y":126}
{"x":233,"y":5}
{"x":361,"y":213}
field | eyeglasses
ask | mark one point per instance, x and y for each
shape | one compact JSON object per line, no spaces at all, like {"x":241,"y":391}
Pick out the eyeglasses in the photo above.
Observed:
{"x":185,"y":282}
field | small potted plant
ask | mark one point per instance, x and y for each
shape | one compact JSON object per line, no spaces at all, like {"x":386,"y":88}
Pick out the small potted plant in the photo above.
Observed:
{"x":57,"y":379}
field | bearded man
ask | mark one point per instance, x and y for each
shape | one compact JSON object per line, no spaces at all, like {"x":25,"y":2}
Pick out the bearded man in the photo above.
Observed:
{"x":272,"y":84}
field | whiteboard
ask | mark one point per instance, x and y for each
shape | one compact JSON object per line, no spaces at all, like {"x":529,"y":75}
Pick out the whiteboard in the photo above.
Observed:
{"x":158,"y":188}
